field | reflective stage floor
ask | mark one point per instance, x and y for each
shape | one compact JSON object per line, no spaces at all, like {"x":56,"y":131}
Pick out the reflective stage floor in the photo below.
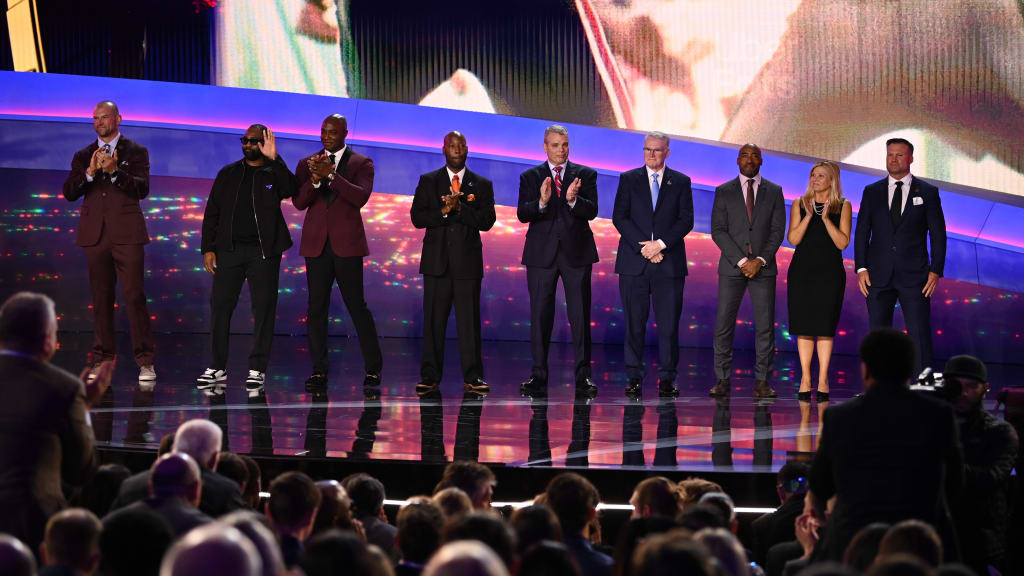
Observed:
{"x":691,"y":433}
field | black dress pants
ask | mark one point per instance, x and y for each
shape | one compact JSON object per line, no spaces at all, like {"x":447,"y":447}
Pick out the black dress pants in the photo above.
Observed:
{"x":321,"y":274}
{"x":439,"y":294}
{"x":245,"y":263}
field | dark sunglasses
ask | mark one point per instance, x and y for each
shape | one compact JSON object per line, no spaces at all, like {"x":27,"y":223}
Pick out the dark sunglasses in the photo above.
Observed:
{"x":252,"y":141}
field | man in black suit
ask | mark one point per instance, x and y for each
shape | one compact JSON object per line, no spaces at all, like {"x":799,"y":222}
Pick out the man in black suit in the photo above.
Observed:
{"x":748,"y":223}
{"x":46,"y":440}
{"x":558,"y":199}
{"x":454,"y":204}
{"x":200,"y":439}
{"x":889,"y":455}
{"x":175,"y":484}
{"x":653,"y":212}
{"x":778,"y":526}
{"x":896,"y":215}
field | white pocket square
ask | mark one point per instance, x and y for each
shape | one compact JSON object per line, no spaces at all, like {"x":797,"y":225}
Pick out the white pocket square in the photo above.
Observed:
{"x":918,"y":200}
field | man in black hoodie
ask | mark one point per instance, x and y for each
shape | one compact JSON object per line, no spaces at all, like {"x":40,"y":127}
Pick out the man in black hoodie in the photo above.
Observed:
{"x":244,"y":235}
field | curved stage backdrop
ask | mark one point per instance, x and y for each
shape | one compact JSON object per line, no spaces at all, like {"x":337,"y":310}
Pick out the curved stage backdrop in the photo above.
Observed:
{"x":192,"y":130}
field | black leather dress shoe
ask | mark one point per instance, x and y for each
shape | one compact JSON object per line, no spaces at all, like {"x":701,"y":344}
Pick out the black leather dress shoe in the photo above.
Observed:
{"x":721,"y":388}
{"x":533,"y":386}
{"x":317,"y":382}
{"x":667,"y":389}
{"x":426,"y":386}
{"x":477,"y":386}
{"x":635,"y":388}
{"x":763,"y":390}
{"x":585,"y":385}
{"x":372,"y":379}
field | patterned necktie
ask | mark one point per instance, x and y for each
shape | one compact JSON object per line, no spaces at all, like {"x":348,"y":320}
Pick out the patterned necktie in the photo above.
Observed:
{"x":558,"y":181}
{"x":330,"y":194}
{"x":456,"y":186}
{"x":750,"y":199}
{"x":655,"y":189}
{"x":332,"y":157}
{"x":896,"y":209}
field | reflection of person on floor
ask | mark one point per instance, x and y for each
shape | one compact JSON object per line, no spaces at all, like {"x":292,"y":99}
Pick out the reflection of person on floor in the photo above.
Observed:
{"x":806,"y":440}
{"x":243,"y":237}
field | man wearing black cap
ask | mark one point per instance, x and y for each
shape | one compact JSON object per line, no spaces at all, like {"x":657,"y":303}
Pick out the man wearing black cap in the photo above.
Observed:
{"x":990,"y":449}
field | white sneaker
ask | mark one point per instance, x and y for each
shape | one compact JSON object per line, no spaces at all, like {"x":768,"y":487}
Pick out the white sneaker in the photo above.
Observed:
{"x":254,"y":382}
{"x":147,"y":373}
{"x":209,"y":377}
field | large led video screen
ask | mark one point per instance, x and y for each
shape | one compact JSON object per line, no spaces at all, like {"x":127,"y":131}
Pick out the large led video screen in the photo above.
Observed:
{"x":821,"y":78}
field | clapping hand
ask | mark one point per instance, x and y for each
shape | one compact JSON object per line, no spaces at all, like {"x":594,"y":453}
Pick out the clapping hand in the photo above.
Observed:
{"x":96,"y":380}
{"x":269,"y":145}
{"x":573,"y":190}
{"x":107,"y":162}
{"x":808,"y":205}
{"x":451,"y":202}
{"x":94,"y":162}
{"x":320,"y":167}
{"x":545,"y":191}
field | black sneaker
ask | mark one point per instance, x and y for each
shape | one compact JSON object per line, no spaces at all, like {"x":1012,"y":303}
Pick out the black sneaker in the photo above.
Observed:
{"x":254,"y":382}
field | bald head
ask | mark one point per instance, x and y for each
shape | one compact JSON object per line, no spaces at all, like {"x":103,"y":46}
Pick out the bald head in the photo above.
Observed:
{"x":333,"y":132}
{"x":465,"y":558}
{"x":200,"y":439}
{"x":175,"y":475}
{"x":212,"y":550}
{"x":15,"y":558}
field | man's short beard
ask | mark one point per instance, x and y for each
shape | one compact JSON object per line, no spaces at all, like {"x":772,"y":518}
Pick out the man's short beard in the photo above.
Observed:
{"x":252,"y":155}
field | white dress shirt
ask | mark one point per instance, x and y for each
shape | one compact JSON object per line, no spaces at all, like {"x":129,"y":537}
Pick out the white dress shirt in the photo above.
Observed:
{"x":743,"y":191}
{"x":661,"y":182}
{"x":905,"y":192}
{"x":451,"y":175}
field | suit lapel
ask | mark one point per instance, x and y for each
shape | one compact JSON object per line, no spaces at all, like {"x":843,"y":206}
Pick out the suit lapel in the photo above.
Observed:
{"x":664,"y":188}
{"x":343,"y":163}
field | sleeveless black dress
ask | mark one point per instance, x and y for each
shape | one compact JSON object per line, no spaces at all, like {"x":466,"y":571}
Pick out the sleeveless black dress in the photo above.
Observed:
{"x":816,"y":280}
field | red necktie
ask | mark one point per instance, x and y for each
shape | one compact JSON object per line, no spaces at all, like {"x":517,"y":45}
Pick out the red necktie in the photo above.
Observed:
{"x":558,"y":181}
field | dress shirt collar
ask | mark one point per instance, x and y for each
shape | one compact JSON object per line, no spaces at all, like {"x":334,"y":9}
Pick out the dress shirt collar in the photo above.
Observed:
{"x":660,"y":173}
{"x":461,"y":174}
{"x":337,"y":155}
{"x":906,"y":182}
{"x":551,"y":168}
{"x":112,"y":143}
{"x":757,"y":183}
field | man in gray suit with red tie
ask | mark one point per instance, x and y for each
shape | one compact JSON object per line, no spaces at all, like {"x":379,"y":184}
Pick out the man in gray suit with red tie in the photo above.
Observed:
{"x":112,"y":175}
{"x":896,"y":214}
{"x":653,"y":212}
{"x":748,"y":223}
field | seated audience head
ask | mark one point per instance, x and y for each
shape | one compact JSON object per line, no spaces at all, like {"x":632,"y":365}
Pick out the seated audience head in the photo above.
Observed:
{"x":726,"y":549}
{"x":367,"y":495}
{"x":900,"y":565}
{"x":915,"y":538}
{"x":232,"y":466}
{"x":15,"y":558}
{"x":200,"y":439}
{"x":671,"y":554}
{"x":28,"y":324}
{"x":533,"y":524}
{"x":636,"y":531}
{"x":972,"y":376}
{"x":691,"y":489}
{"x":176,"y":475}
{"x":453,"y":502}
{"x":257,"y":529}
{"x":294,"y":499}
{"x":828,"y":568}
{"x":549,"y":558}
{"x":723,"y":502}
{"x":419,"y":531}
{"x":72,"y":541}
{"x":487,"y":528}
{"x":166,"y":445}
{"x":133,"y":542}
{"x":98,"y":495}
{"x":212,"y":550}
{"x":335,"y":552}
{"x":861,"y":551}
{"x":473,"y":478}
{"x":465,"y":558}
{"x":792,"y":479}
{"x":574,"y":501}
{"x":887,"y":357}
{"x":335,"y":507}
{"x":701,"y":515}
{"x":657,"y":496}
{"x":251,"y":494}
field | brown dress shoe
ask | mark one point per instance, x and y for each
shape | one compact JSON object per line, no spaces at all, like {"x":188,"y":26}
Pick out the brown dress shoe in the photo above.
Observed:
{"x":721,"y":388}
{"x":763,"y":390}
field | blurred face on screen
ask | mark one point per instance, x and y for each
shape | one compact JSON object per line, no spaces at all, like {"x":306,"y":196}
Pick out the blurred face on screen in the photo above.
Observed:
{"x":557,"y":148}
{"x":455,"y":151}
{"x":333,"y":132}
{"x":898,"y":159}
{"x":105,"y":120}
{"x":655,"y":153}
{"x":749,"y":160}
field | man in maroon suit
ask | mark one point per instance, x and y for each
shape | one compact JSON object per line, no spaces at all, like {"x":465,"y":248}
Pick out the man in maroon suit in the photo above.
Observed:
{"x":112,"y":174}
{"x":334,"y":184}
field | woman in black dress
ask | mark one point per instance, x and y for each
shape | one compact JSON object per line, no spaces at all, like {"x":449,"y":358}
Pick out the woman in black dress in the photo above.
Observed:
{"x":819,"y":227}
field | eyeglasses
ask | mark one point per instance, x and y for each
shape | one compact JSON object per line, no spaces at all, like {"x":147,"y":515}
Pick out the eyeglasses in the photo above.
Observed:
{"x":252,"y":141}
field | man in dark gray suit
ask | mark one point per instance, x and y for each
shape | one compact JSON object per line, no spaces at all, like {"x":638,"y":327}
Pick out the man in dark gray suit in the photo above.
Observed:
{"x":748,"y":223}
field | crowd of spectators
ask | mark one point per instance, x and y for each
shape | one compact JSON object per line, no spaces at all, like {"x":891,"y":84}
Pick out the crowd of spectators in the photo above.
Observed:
{"x":902,"y":483}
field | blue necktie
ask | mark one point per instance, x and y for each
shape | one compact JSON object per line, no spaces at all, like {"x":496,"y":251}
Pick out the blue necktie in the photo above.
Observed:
{"x":654,"y":190}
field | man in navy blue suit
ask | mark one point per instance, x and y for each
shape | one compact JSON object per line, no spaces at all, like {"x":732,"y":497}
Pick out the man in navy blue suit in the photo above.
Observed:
{"x":653,"y":212}
{"x":558,"y":199}
{"x":896,"y":216}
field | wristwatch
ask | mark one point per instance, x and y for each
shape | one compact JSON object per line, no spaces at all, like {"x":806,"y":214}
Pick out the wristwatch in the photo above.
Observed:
{"x":330,"y":177}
